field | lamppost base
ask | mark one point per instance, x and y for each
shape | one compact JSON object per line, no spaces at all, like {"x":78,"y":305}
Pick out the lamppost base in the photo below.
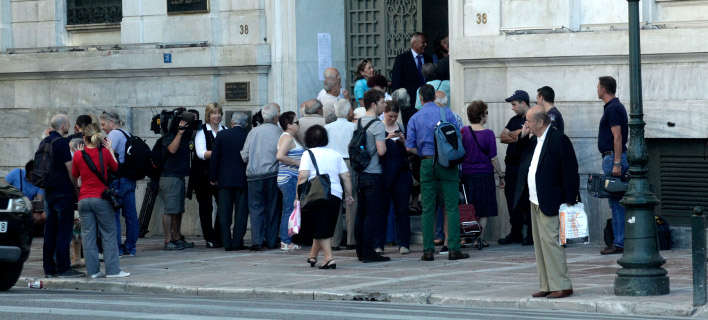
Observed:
{"x":641,"y":286}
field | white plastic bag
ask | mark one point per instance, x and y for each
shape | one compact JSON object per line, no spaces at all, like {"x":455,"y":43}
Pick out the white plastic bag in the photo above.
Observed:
{"x":573,"y":224}
{"x":294,"y":221}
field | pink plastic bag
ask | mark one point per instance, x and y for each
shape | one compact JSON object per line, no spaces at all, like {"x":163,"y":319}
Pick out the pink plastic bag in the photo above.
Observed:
{"x":294,"y":221}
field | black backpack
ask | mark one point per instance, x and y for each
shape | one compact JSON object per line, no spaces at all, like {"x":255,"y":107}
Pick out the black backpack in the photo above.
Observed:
{"x":358,"y":155}
{"x":44,"y":164}
{"x":137,"y":160}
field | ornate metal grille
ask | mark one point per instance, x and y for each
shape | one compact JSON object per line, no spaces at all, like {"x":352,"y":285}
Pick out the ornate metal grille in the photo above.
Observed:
{"x":93,"y":11}
{"x":379,"y":30}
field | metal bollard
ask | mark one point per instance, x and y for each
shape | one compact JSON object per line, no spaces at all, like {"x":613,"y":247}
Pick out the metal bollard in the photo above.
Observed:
{"x":698,"y":248}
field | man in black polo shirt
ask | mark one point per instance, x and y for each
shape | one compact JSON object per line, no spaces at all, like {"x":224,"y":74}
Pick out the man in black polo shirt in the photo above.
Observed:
{"x":518,"y":217}
{"x":612,"y":144}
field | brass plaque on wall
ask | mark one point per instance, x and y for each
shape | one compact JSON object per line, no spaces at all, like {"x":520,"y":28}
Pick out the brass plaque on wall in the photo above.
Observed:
{"x":187,"y":6}
{"x":238,"y":91}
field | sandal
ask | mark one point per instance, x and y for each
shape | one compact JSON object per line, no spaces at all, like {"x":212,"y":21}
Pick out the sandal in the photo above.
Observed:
{"x":484,"y":243}
{"x":312,"y":261}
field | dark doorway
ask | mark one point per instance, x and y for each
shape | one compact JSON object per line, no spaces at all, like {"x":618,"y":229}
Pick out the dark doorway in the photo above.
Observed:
{"x":435,"y":23}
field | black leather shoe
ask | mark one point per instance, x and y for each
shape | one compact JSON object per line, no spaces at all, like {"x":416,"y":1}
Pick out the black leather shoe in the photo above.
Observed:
{"x":509,"y":239}
{"x":428,"y":256}
{"x":527,"y":241}
{"x":336,"y":249}
{"x":239,"y":247}
{"x":255,"y":247}
{"x":375,"y":258}
{"x":457,"y":255}
{"x":351,"y":247}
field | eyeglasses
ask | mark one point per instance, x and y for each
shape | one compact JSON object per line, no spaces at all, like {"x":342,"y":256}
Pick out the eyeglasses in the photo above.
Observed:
{"x":296,"y":122}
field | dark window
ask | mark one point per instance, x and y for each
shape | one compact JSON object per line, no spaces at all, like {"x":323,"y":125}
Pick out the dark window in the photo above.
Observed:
{"x":93,"y":11}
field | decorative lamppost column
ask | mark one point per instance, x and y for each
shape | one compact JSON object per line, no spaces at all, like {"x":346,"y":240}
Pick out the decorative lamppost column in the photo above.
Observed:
{"x":641,"y":273}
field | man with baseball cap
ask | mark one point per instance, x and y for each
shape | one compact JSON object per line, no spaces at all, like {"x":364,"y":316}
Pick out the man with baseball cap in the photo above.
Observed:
{"x":521,"y":215}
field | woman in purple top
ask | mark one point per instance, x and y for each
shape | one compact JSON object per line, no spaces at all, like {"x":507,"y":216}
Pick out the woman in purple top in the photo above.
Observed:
{"x":480,"y":163}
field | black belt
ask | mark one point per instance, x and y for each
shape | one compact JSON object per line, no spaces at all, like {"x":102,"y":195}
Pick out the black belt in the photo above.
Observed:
{"x":427,"y":157}
{"x":606,"y":153}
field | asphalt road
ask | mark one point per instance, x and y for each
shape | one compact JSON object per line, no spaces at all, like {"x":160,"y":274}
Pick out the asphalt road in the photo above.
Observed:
{"x":20,"y":303}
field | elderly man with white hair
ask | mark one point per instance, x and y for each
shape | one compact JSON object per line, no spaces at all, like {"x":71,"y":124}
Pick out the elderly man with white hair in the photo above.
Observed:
{"x":259,"y":152}
{"x":340,"y":133}
{"x":332,"y":74}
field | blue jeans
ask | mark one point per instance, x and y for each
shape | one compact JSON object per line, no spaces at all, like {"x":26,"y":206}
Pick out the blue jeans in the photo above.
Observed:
{"x":58,"y":232}
{"x":288,"y":189}
{"x":439,"y":223}
{"x":126,"y":188}
{"x":618,"y":212}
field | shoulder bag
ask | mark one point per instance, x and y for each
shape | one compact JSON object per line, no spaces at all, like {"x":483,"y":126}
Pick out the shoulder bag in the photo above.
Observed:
{"x":314,"y":190}
{"x":110,"y":193}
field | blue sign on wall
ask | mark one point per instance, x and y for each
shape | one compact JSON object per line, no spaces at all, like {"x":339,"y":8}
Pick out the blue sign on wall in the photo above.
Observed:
{"x":167,"y":57}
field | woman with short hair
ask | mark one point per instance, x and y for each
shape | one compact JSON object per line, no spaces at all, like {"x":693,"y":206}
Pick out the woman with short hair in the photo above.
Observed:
{"x":480,"y":163}
{"x":94,"y":210}
{"x":321,"y":219}
{"x":289,"y":154}
{"x":199,"y":173}
{"x":112,"y":125}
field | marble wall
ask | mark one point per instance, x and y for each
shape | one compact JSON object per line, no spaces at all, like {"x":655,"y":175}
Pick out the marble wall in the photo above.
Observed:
{"x":490,"y":64}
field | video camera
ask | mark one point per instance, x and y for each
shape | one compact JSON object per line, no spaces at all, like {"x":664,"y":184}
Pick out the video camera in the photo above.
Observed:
{"x":168,"y":121}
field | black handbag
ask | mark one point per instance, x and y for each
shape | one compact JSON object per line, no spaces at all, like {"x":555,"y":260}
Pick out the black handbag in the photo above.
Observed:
{"x":314,"y":190}
{"x":110,"y":193}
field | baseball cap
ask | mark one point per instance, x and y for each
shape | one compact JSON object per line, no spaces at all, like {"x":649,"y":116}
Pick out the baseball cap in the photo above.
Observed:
{"x":519,"y":95}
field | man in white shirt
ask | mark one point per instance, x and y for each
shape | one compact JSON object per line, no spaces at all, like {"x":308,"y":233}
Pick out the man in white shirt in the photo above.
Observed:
{"x":340,"y":135}
{"x":332,"y":73}
{"x":548,"y":176}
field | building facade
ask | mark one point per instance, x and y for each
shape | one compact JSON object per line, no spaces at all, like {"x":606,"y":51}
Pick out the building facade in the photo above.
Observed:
{"x":138,"y":57}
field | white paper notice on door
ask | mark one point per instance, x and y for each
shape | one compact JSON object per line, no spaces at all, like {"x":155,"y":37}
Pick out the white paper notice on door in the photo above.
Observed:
{"x":324,"y":52}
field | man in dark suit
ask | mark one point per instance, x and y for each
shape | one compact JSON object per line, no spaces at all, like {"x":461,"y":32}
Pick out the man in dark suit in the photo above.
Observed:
{"x":548,"y":176}
{"x":228,"y":173}
{"x":407,"y":73}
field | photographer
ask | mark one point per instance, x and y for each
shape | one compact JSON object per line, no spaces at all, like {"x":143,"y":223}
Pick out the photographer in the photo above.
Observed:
{"x":175,"y":152}
{"x":203,"y":144}
{"x":112,"y":125}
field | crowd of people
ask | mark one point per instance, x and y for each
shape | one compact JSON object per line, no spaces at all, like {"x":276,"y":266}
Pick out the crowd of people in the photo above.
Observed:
{"x":255,"y":175}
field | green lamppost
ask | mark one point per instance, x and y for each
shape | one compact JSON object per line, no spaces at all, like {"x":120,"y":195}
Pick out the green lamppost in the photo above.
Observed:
{"x":641,"y":273}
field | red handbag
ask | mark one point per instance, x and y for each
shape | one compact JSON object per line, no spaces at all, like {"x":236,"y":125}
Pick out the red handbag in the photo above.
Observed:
{"x":469,"y":223}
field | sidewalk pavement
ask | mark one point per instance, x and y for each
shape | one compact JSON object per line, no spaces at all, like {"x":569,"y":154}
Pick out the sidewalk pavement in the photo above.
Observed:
{"x":496,"y":277}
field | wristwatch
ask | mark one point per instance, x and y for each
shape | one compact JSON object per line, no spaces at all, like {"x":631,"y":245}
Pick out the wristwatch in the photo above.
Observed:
{"x":617,"y":164}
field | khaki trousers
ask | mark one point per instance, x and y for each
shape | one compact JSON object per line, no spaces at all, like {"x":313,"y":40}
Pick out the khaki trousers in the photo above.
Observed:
{"x":550,"y":256}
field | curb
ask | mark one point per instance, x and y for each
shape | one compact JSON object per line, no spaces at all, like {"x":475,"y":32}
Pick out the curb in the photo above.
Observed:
{"x":609,"y":307}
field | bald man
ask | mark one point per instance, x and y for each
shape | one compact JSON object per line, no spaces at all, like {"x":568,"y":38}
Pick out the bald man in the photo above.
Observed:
{"x":60,"y":196}
{"x":332,"y":74}
{"x":311,"y":113}
{"x":548,"y":176}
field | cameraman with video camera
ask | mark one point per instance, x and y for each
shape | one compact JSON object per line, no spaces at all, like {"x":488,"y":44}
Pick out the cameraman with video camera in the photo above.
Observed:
{"x":175,"y":167}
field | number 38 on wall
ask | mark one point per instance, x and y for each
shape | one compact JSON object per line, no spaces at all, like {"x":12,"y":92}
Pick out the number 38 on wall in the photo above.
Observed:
{"x":481,"y":18}
{"x":244,"y":29}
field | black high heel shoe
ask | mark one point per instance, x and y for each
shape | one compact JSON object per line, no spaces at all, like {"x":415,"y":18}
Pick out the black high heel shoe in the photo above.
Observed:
{"x":327,"y":265}
{"x":312,"y":261}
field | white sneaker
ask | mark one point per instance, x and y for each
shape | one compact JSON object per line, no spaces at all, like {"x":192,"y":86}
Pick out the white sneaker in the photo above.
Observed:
{"x":98,"y":275}
{"x":121,"y":274}
{"x":404,"y":250}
